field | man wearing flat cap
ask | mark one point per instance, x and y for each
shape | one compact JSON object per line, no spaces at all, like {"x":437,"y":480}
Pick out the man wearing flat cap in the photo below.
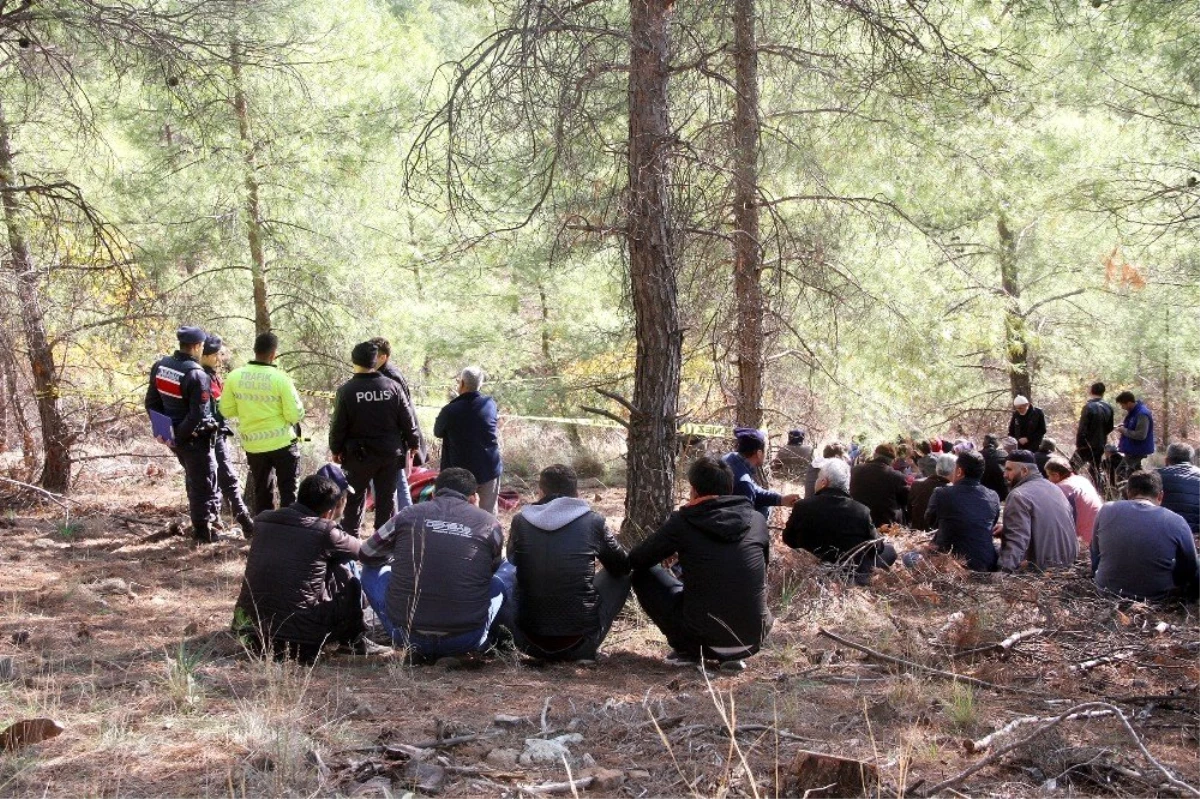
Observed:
{"x":227,"y":476}
{"x":369,"y":436}
{"x":1038,"y":525}
{"x":747,"y":458}
{"x":179,"y":389}
{"x":1027,"y":424}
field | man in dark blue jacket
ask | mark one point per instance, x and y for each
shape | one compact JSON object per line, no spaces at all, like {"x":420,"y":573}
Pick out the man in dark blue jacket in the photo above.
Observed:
{"x":1137,"y":432}
{"x":1181,"y":484}
{"x":565,"y":607}
{"x":965,"y":513}
{"x":180,"y":390}
{"x":467,"y":427}
{"x":749,"y":456}
{"x":719,"y":610}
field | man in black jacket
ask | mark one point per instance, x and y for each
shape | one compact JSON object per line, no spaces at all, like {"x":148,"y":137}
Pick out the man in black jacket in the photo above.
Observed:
{"x":435,"y":574}
{"x":299,"y":590}
{"x":719,"y":610}
{"x":227,"y":476}
{"x":880,"y":487}
{"x":564,"y":607}
{"x":1095,"y":423}
{"x":1027,"y":424}
{"x":371,"y":431}
{"x":179,"y":389}
{"x":836,"y":528}
{"x":419,"y":455}
{"x":1181,"y":484}
{"x":965,"y":514}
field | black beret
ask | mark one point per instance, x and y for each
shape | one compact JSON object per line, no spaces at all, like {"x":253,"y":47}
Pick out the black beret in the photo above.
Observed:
{"x":190,"y":335}
{"x":1021,"y":456}
{"x":212,"y":343}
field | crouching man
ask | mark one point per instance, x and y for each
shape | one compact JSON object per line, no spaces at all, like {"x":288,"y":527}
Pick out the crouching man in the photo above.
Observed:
{"x":565,"y":607}
{"x":435,"y":575}
{"x":719,"y":610}
{"x":300,"y":588}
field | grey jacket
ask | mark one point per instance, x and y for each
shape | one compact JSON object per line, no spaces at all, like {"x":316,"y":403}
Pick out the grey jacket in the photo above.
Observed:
{"x":1038,"y":526}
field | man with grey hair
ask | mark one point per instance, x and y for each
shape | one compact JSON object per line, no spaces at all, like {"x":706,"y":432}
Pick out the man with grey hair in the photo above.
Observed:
{"x":1181,"y":484}
{"x":467,"y":427}
{"x":1038,"y":528}
{"x":922,"y":490}
{"x":836,"y":528}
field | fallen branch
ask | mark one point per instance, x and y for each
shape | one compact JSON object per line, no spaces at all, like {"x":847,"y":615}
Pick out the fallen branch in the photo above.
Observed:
{"x":570,"y":786}
{"x":984,"y":743}
{"x":962,"y":776}
{"x":1004,"y":646}
{"x":1094,"y":662}
{"x":949,"y":675}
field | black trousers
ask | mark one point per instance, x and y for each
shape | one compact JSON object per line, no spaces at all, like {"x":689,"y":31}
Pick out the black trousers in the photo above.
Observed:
{"x":881,"y":556}
{"x":279,"y":467}
{"x":227,"y":479}
{"x":384,"y":471}
{"x":612,"y":593}
{"x":199,"y":464}
{"x":660,"y":594}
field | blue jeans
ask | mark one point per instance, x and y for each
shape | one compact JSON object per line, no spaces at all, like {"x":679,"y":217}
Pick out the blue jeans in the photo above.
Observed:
{"x":375,"y":581}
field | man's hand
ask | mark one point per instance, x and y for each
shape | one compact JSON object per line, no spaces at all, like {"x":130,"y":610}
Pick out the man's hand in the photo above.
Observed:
{"x":164,"y":442}
{"x":1022,"y":441}
{"x":336,"y":457}
{"x":998,"y":530}
{"x":789,"y":500}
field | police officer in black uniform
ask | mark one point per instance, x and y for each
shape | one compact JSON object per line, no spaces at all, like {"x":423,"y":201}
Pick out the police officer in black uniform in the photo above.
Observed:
{"x":179,"y":389}
{"x":371,"y":431}
{"x":227,"y":476}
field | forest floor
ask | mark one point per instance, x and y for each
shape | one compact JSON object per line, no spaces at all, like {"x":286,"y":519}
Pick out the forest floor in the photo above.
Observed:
{"x":116,"y":630}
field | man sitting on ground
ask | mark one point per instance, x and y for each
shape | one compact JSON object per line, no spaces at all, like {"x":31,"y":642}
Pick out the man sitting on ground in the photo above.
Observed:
{"x":434,"y":574}
{"x":836,"y":528}
{"x":1080,"y":493}
{"x":719,"y":610}
{"x":749,"y":456}
{"x":965,"y":513}
{"x":1181,"y":484}
{"x":299,"y":590}
{"x":995,"y":453}
{"x":1038,"y":526}
{"x":1141,"y":550}
{"x":880,"y":487}
{"x":564,"y":607}
{"x":834,"y":450}
{"x":922,"y":490}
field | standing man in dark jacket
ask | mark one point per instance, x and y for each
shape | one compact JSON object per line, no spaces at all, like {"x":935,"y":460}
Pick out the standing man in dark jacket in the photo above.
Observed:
{"x":965,"y":513}
{"x":1027,"y":424}
{"x":1137,"y":432}
{"x":1095,"y":423}
{"x":467,"y":427}
{"x":435,"y":574}
{"x":564,"y":607}
{"x":418,"y":456}
{"x":1181,"y":484}
{"x":835,"y":527}
{"x":880,"y":487}
{"x":180,"y":390}
{"x":227,"y":476}
{"x":369,"y":435}
{"x":299,"y":590}
{"x":719,"y":610}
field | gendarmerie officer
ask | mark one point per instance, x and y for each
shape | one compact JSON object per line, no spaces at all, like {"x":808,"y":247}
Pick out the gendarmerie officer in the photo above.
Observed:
{"x":370,"y":434}
{"x":227,"y":476}
{"x":180,"y":390}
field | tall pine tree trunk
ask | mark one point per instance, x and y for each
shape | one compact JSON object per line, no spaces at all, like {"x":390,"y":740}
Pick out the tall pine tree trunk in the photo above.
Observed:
{"x":254,"y":227}
{"x":1016,"y":334}
{"x":747,"y":254}
{"x":56,"y":439}
{"x":652,"y":273}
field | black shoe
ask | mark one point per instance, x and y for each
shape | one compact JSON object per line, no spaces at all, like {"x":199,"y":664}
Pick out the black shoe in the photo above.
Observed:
{"x":247,"y":524}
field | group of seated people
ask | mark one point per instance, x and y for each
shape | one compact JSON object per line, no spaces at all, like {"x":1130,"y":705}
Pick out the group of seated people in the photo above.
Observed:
{"x":443,"y":582}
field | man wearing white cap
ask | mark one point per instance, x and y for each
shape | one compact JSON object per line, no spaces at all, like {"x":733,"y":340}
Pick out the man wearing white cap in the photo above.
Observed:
{"x":1027,"y":425}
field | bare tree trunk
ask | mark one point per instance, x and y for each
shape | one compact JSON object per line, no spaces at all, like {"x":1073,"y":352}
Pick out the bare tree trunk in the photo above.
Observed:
{"x":747,"y":254}
{"x":650,"y":486}
{"x":1016,"y":338}
{"x":56,"y":440}
{"x":254,"y":231}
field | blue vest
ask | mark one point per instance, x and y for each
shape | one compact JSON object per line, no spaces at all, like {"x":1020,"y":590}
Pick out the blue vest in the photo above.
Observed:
{"x":1145,"y":446}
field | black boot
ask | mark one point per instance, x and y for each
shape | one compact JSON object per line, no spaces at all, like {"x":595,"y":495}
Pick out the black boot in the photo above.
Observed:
{"x":247,"y":524}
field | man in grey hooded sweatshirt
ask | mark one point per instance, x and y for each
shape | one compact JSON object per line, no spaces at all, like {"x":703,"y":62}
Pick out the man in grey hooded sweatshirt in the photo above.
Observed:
{"x":565,"y":607}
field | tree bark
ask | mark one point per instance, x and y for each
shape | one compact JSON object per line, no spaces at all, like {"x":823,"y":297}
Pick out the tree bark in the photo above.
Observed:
{"x":650,"y":486}
{"x":254,"y":227}
{"x":1016,"y":339}
{"x":56,"y":439}
{"x":747,"y":254}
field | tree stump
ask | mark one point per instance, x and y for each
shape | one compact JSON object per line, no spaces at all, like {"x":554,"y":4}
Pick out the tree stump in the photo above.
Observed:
{"x":813,"y":774}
